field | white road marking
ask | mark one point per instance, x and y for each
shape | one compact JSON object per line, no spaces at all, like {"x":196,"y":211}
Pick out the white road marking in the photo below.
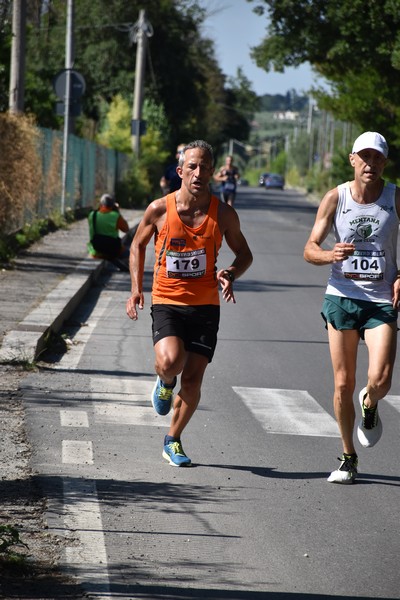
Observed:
{"x":393,"y":401}
{"x":124,"y":414}
{"x":130,"y":401}
{"x":77,"y":452}
{"x":121,"y":388}
{"x":88,"y":558}
{"x":291,"y":412}
{"x":74,"y":418}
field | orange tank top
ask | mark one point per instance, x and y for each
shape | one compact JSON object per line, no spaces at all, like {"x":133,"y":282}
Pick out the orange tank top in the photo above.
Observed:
{"x":185,"y":266}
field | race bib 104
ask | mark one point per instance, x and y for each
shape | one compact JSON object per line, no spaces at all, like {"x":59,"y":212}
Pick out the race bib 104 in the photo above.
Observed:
{"x":186,"y":264}
{"x":365,"y":264}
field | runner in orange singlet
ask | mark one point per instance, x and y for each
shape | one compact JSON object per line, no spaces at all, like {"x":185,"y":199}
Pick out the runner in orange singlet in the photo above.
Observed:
{"x":188,"y":228}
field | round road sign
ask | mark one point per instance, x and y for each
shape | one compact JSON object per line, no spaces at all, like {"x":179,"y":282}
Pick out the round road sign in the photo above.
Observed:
{"x":77,"y":88}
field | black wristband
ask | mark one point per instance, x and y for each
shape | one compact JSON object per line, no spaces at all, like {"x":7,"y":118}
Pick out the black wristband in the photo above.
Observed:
{"x":230,"y":274}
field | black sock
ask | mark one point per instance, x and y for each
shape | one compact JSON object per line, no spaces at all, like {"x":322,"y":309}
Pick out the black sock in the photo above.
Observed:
{"x":169,"y":438}
{"x":168,"y":385}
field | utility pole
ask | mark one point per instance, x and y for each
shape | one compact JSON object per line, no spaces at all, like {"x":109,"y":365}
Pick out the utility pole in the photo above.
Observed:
{"x":17,"y":70}
{"x":67,"y":99}
{"x":310,"y":115}
{"x":142,"y":30}
{"x":310,"y":132}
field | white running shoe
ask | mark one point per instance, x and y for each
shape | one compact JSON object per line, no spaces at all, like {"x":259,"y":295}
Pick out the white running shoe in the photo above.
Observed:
{"x":347,"y":471}
{"x":369,"y":429}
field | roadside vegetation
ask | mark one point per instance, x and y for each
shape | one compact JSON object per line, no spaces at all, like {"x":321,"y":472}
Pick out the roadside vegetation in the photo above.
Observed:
{"x":186,"y":96}
{"x":9,"y":541}
{"x":304,"y":137}
{"x":355,"y":47}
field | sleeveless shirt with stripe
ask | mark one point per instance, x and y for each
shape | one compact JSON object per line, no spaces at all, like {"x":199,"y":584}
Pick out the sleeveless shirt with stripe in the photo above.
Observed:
{"x":185,"y":265}
{"x":370,"y":272}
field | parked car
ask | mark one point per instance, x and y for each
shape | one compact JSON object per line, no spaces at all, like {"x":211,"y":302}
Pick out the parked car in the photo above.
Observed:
{"x":274,"y":181}
{"x":262,"y":178}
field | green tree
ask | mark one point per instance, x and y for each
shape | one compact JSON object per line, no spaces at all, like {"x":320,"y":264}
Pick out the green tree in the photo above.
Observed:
{"x":242,"y":102}
{"x":152,"y":154}
{"x":299,"y":153}
{"x":182,"y":74}
{"x":116,"y":133}
{"x":278,"y":165}
{"x":354,"y":45}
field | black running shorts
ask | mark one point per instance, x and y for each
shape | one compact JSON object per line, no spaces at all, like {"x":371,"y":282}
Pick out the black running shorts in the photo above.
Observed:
{"x":197,"y":326}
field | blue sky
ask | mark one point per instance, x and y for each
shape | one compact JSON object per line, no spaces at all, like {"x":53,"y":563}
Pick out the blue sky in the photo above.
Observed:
{"x":235,"y":29}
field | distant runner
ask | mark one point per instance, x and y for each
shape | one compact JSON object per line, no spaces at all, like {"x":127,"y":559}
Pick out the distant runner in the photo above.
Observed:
{"x":228,"y":176}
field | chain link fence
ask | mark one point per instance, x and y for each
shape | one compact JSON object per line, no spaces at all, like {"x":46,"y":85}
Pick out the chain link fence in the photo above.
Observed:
{"x":91,"y":171}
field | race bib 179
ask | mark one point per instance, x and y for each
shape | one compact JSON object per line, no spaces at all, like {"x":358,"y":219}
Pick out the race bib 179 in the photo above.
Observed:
{"x":186,"y":264}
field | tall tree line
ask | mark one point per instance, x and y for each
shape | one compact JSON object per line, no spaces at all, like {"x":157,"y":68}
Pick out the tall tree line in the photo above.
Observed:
{"x":354,"y":45}
{"x":182,"y":74}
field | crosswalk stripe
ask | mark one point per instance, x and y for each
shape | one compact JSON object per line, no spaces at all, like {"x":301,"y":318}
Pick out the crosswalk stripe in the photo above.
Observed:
{"x":74,"y":418}
{"x":77,"y":452}
{"x":293,"y":412}
{"x":394,"y":401}
{"x":280,"y":411}
{"x":121,"y":388}
{"x":127,"y":403}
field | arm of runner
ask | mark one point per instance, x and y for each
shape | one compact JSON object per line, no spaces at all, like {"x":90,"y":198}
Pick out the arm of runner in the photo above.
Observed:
{"x":396,"y":292}
{"x":220,"y":175}
{"x":396,"y":283}
{"x":313,"y":252}
{"x":144,"y":233}
{"x":230,"y":229}
{"x":226,"y":282}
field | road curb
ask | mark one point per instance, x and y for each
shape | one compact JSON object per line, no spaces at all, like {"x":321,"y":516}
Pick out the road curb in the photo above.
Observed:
{"x":28,"y":340}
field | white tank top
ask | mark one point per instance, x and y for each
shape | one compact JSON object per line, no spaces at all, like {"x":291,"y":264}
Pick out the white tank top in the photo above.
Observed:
{"x":369,"y":273}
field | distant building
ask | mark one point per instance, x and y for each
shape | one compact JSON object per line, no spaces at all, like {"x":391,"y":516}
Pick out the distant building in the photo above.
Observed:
{"x":287,"y":115}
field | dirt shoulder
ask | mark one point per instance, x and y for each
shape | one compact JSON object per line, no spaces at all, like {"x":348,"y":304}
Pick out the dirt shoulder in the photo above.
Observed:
{"x":33,"y":572}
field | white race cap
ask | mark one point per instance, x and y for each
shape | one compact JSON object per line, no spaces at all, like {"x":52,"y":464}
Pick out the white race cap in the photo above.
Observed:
{"x":371,"y":139}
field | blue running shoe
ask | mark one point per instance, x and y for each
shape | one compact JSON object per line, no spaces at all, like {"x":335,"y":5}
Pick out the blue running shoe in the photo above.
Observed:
{"x":162,"y":395}
{"x":173,"y":452}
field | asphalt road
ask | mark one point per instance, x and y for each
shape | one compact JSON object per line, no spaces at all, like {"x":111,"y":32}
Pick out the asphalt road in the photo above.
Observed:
{"x":254,"y":518}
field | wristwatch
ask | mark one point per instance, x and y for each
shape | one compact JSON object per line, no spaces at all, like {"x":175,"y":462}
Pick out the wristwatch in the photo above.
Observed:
{"x":230,"y":275}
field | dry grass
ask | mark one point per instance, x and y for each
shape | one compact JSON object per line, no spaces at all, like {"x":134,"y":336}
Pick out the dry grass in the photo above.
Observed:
{"x":20,"y":170}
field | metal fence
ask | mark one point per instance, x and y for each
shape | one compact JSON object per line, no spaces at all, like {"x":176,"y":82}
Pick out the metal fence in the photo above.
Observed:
{"x":91,"y":171}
